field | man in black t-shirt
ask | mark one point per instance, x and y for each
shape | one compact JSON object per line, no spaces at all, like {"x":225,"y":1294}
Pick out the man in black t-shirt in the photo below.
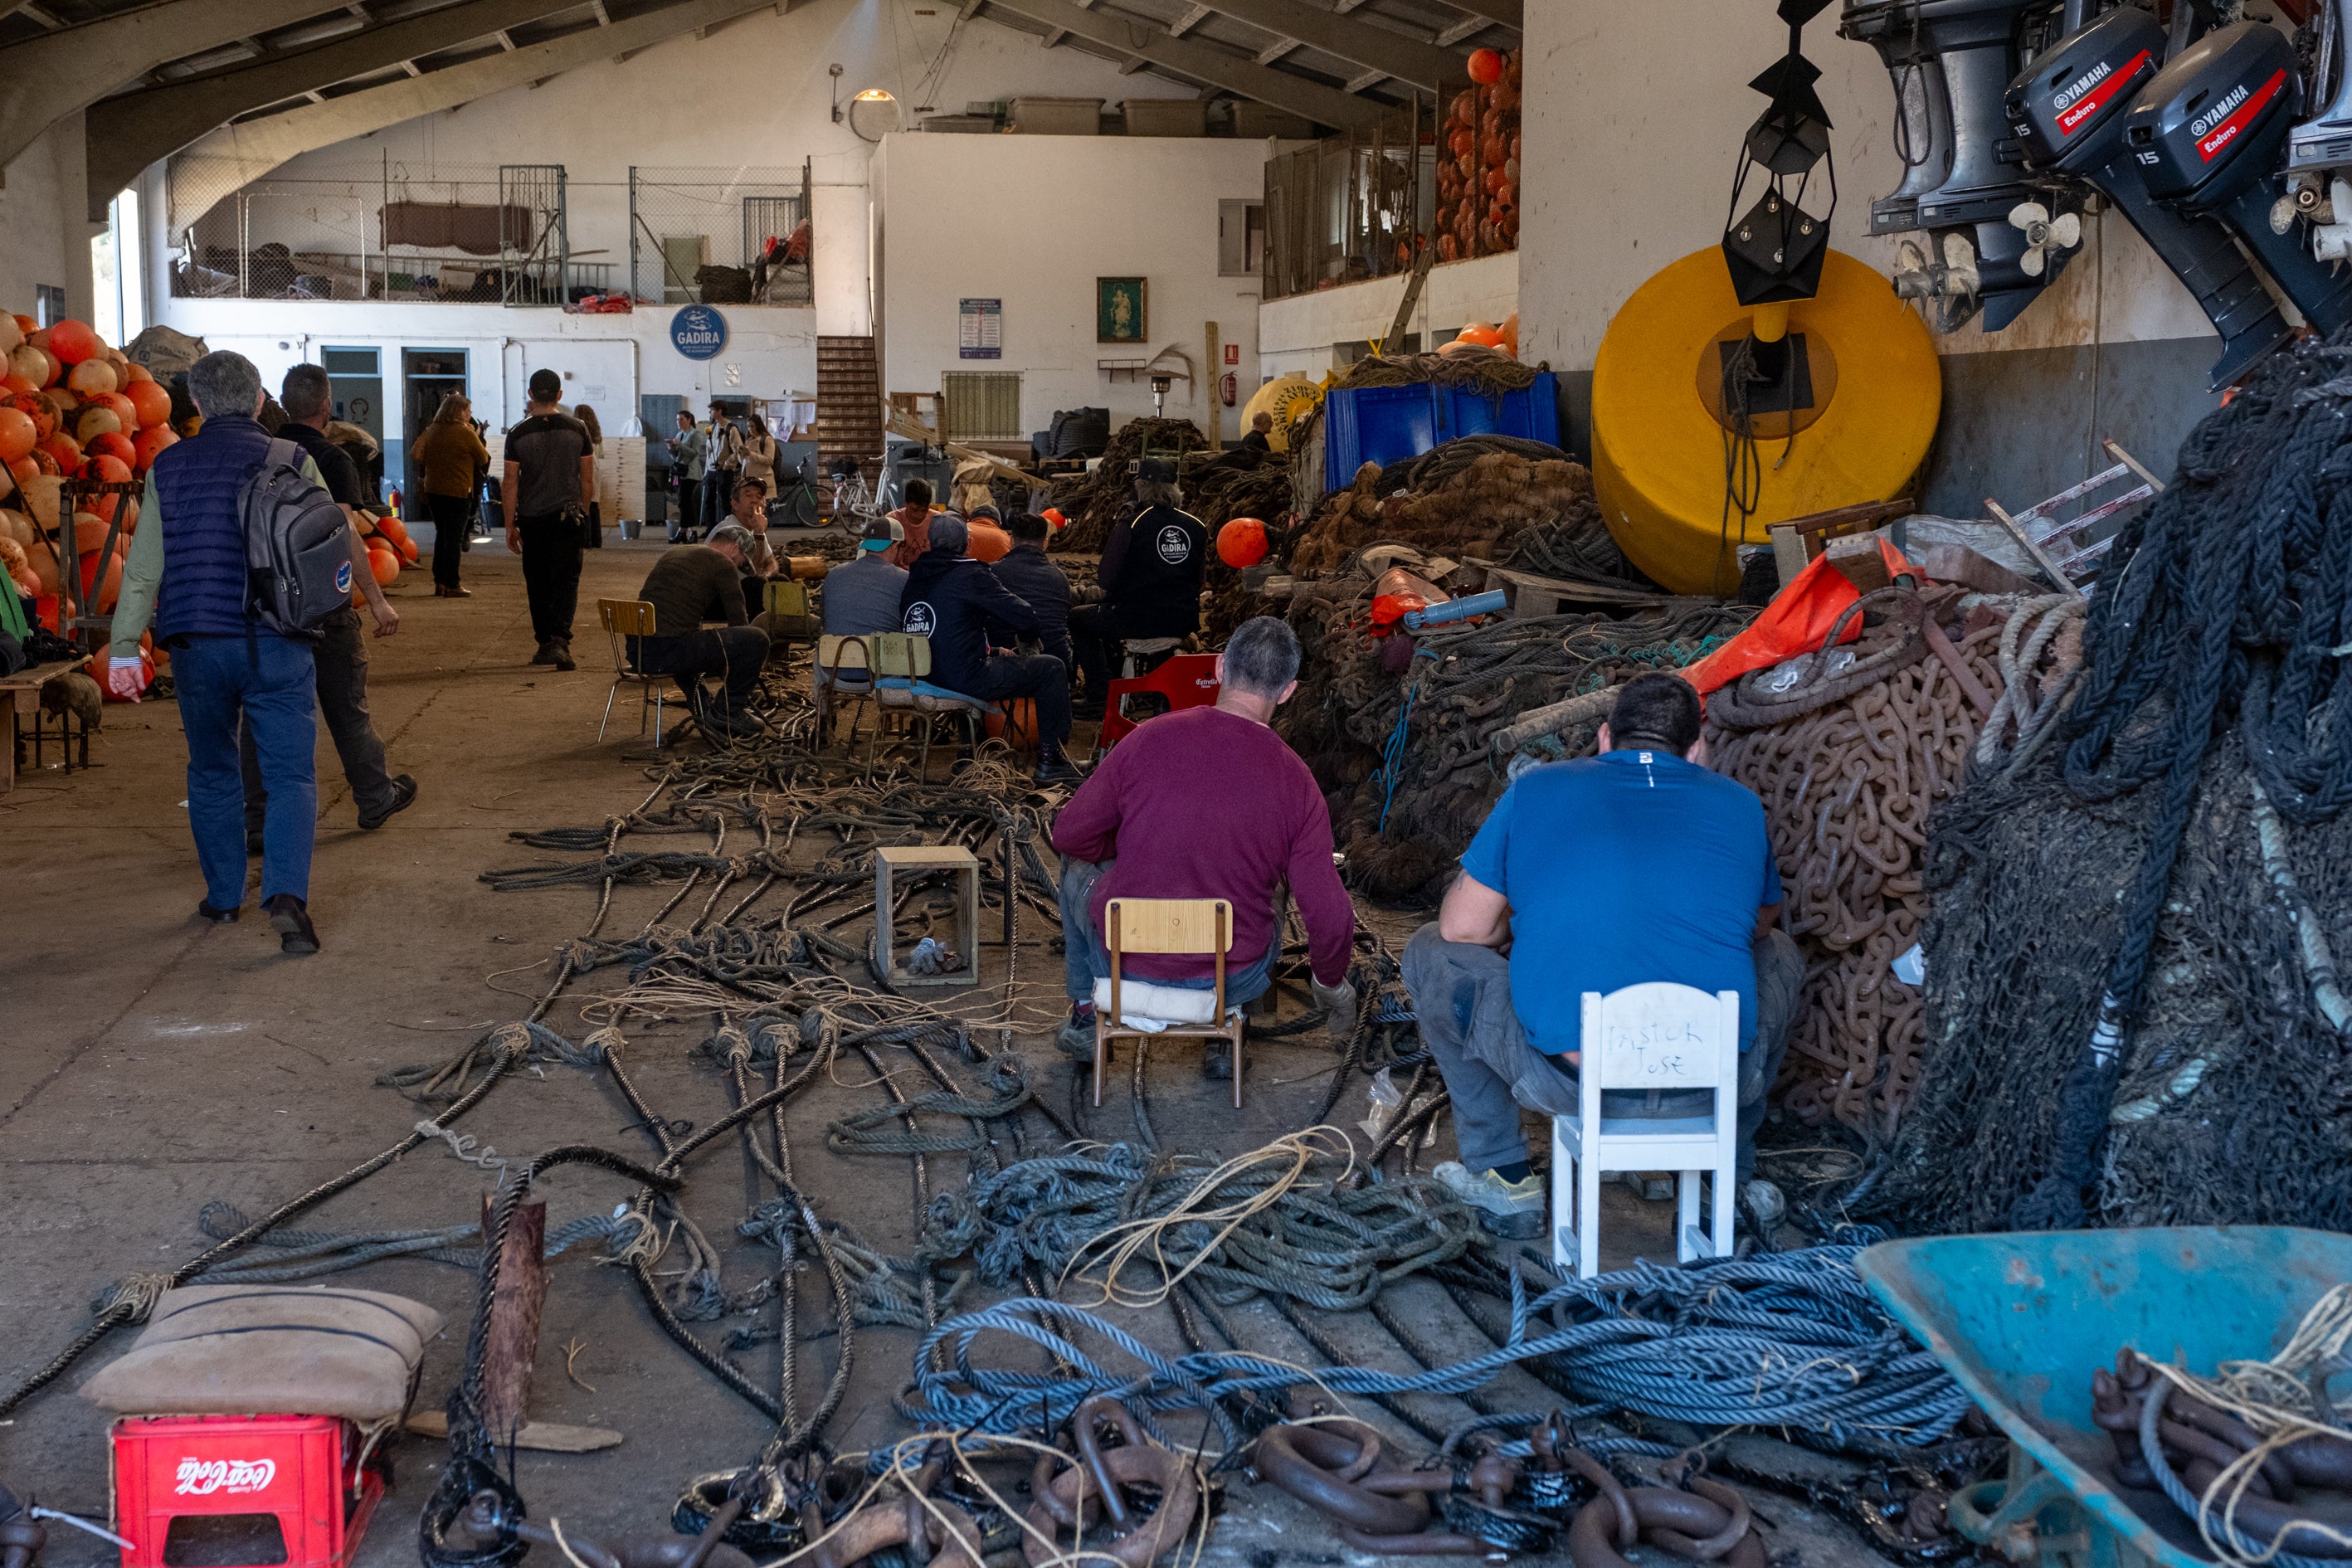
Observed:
{"x":1150,"y":575}
{"x":340,"y":652}
{"x":692,"y":583}
{"x":551,"y":472}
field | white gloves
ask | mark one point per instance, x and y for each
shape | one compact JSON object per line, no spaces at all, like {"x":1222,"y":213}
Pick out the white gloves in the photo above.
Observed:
{"x":1339,"y":1008}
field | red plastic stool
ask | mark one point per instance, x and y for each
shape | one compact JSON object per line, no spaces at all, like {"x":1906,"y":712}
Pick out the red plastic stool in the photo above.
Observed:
{"x":243,"y":1491}
{"x":1186,"y":679}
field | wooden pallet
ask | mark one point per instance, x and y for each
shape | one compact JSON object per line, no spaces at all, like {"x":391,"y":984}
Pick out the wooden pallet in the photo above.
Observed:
{"x":848,"y":402}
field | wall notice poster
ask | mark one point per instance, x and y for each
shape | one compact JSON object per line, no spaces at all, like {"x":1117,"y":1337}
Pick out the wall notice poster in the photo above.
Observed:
{"x":980,"y":329}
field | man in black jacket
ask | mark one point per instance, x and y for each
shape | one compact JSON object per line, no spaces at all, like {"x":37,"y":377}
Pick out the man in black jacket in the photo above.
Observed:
{"x":1026,"y":570}
{"x":1150,"y":574}
{"x":958,"y":604}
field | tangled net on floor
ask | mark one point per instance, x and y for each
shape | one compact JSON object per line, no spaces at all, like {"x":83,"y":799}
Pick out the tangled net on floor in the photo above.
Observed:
{"x":1407,"y":761}
{"x":1093,"y":501}
{"x":2134,"y":1011}
{"x":1849,"y":751}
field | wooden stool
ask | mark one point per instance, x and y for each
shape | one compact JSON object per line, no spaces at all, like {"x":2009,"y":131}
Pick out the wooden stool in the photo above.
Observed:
{"x":912,"y":861}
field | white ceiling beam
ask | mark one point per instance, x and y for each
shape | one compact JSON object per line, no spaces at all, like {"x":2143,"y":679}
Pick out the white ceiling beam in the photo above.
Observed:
{"x":1469,"y":27}
{"x":1132,"y":64}
{"x":1277,"y":50}
{"x":1362,"y":44}
{"x":46,"y":79}
{"x":1203,"y":62}
{"x":1511,"y":13}
{"x":1365,"y":81}
{"x":38,"y":14}
{"x":1189,"y":20}
{"x":505,"y":42}
{"x":1053,"y":38}
{"x":411,"y":67}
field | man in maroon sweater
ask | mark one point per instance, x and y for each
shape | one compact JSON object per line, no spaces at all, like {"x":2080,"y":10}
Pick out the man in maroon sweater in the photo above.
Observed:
{"x":1208,"y":803}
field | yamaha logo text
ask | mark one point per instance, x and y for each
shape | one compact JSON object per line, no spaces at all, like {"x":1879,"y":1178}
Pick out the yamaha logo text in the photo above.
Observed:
{"x":2219,"y":112}
{"x":2083,"y":84}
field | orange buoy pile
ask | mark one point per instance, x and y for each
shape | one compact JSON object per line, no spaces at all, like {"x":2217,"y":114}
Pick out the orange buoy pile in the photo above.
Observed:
{"x":1478,"y":162}
{"x":71,"y":407}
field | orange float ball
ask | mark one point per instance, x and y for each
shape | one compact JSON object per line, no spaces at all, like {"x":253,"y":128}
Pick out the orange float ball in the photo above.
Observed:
{"x":39,"y":409}
{"x":114,"y":445}
{"x":150,"y":402}
{"x":396,"y":533}
{"x":74,"y":342}
{"x":1480,"y":334}
{"x":384,"y":565}
{"x":137,"y":372}
{"x":24,"y":325}
{"x":1242,"y":542}
{"x":1485,"y":67}
{"x":94,"y":420}
{"x":64,"y":450}
{"x":1054,"y":516}
{"x":125,"y":409}
{"x":151,"y":440}
{"x":18,"y":433}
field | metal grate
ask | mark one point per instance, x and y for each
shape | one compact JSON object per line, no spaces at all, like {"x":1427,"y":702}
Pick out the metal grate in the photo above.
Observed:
{"x":980,"y":406}
{"x":534,"y":241}
{"x":723,"y":217}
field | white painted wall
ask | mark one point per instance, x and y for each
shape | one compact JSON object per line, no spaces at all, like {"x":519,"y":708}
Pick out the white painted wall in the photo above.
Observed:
{"x":43,"y":236}
{"x":1088,"y":207}
{"x":1633,"y":121}
{"x":1300,"y":332}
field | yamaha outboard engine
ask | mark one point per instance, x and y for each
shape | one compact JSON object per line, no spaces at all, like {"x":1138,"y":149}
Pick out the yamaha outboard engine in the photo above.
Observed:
{"x":2073,"y":112}
{"x":2205,"y":136}
{"x":1989,"y":241}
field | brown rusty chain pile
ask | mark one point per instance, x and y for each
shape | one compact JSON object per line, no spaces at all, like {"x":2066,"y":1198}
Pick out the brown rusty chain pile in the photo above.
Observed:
{"x":1851,"y":749}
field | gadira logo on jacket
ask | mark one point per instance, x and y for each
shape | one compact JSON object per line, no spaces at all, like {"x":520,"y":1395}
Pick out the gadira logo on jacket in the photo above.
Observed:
{"x":921,"y":619}
{"x":1175,"y":545}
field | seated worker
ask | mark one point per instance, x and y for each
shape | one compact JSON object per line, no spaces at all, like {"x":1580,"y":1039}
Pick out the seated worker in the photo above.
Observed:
{"x":958,"y":604}
{"x":748,"y":510}
{"x":861,"y":594}
{"x":989,"y":543}
{"x":1026,"y":570}
{"x":1260,"y":439}
{"x":1208,"y":803}
{"x":1609,"y":871}
{"x":689,"y":584}
{"x":914,"y":517}
{"x":1150,"y":577}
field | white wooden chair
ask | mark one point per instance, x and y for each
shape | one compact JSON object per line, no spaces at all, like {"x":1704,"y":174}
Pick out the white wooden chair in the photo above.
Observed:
{"x":1654,"y":1035}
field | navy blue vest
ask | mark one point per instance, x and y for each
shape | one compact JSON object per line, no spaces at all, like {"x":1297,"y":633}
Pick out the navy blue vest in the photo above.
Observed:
{"x":203,"y":592}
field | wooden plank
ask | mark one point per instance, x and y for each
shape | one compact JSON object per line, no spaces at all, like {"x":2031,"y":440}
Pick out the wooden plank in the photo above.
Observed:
{"x":511,"y":1352}
{"x":539,"y":1436}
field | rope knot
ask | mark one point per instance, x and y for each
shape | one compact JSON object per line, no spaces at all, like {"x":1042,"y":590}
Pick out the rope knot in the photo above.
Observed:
{"x":135,"y":1293}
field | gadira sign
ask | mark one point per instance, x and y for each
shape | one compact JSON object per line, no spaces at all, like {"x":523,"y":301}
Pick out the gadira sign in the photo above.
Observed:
{"x":698,"y":332}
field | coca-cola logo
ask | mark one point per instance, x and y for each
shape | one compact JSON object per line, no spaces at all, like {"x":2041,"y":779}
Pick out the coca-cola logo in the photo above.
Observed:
{"x":200,"y":1478}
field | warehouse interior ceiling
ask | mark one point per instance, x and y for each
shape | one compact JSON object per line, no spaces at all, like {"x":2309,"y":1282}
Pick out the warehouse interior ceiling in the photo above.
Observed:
{"x":170,"y":72}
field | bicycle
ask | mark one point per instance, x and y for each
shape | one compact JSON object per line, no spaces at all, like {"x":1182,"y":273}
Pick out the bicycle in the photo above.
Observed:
{"x":795,"y":504}
{"x":853,"y":505}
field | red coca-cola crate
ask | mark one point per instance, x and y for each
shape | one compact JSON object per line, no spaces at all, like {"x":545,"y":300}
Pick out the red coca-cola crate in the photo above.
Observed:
{"x":243,"y":1491}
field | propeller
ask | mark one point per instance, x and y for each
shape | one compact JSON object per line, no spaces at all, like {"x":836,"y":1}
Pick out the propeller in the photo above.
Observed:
{"x":2044,"y":234}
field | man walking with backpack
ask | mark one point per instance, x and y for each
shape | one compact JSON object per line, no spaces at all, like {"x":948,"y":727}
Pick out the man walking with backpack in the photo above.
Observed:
{"x":551,"y":473}
{"x":241,"y":657}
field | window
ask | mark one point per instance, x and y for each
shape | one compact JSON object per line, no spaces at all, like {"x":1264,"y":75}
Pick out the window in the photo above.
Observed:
{"x":980,"y":406}
{"x":682,"y":257}
{"x":1241,"y":238}
{"x":48,"y":304}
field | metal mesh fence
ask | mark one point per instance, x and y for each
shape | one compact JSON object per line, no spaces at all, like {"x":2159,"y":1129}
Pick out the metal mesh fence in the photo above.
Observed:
{"x":733,"y":236}
{"x":470,"y":233}
{"x":1349,"y":207}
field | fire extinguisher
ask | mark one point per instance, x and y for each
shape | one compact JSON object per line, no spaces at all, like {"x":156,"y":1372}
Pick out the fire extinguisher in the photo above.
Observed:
{"x":1229,"y":388}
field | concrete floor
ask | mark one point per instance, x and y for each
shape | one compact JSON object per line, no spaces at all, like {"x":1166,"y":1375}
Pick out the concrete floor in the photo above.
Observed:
{"x":149,"y":1065}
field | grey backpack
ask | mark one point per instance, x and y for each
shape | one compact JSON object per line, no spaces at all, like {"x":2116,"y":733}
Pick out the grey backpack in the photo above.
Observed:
{"x":297,"y":562}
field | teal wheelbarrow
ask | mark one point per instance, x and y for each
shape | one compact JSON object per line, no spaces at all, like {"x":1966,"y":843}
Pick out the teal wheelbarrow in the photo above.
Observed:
{"x":2022,"y":1320}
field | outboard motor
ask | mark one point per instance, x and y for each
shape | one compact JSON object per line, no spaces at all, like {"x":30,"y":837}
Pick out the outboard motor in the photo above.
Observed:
{"x":1952,"y":62}
{"x":2074,"y":113}
{"x":2207,"y":135}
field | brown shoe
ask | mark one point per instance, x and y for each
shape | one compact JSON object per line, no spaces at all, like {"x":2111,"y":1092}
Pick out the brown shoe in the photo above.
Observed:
{"x":290,"y":917}
{"x":450,"y":590}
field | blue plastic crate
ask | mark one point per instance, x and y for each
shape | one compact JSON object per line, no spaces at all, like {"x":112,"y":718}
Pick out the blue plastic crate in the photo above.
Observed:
{"x":1387,"y":424}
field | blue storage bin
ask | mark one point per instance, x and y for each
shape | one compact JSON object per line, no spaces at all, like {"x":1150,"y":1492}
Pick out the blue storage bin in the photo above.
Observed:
{"x":1387,"y":424}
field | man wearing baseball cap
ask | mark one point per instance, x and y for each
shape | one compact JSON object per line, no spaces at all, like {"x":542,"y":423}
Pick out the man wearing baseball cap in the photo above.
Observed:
{"x":861,"y":594}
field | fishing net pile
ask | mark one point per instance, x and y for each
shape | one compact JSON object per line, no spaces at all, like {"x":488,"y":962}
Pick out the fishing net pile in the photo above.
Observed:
{"x":1411,"y":763}
{"x":1473,"y":365}
{"x":2133,"y":1009}
{"x":1850,"y":748}
{"x":1093,"y":501}
{"x":1463,"y":498}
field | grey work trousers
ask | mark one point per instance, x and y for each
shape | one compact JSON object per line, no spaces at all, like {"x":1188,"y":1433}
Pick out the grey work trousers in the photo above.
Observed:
{"x":343,"y":660}
{"x":1462,"y":994}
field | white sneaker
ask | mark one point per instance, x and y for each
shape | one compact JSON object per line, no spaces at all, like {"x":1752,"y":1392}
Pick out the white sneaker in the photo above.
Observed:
{"x":1512,"y":1210}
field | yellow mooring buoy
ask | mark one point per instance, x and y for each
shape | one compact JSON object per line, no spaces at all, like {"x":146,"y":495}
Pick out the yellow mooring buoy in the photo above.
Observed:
{"x":1849,"y":422}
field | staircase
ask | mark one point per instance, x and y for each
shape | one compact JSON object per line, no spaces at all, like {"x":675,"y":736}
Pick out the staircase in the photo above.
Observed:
{"x":849,"y":404}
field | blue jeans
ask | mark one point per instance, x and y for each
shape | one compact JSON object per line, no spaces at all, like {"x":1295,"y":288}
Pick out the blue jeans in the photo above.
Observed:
{"x":270,"y":685}
{"x":1085,"y":959}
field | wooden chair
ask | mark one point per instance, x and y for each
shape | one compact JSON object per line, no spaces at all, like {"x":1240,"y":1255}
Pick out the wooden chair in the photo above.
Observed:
{"x":1651,"y":1036}
{"x":623,"y":619}
{"x":1192,"y":927}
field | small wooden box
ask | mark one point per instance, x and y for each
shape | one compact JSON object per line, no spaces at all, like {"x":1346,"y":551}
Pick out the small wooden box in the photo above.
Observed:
{"x":895,"y":865}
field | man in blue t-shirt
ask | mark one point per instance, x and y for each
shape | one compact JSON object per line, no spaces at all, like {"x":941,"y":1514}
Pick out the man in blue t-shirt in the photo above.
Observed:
{"x":1636,"y":865}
